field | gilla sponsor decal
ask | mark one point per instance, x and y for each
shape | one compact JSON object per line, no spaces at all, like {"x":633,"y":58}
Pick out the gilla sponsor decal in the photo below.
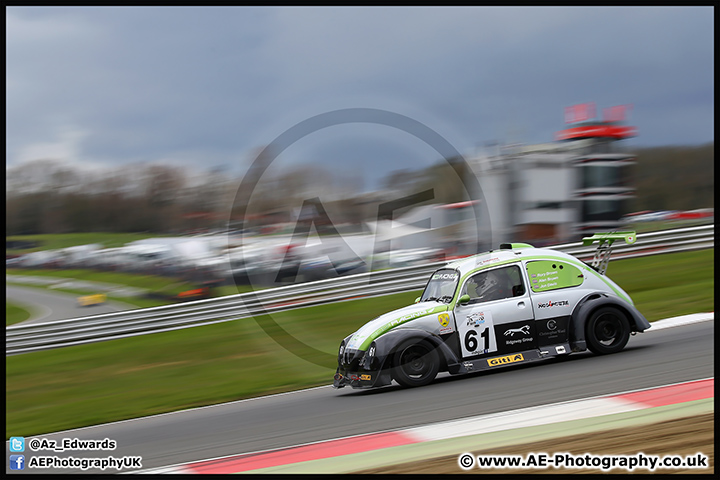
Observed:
{"x":497,"y":361}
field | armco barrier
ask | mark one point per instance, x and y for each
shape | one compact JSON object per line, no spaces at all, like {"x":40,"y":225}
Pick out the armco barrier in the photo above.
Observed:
{"x":75,"y":331}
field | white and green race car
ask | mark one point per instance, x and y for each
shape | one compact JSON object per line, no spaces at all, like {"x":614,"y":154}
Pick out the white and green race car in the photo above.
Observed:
{"x":509,"y":306}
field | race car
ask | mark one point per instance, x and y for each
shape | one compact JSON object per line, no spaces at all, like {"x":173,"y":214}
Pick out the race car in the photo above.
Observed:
{"x":90,"y":300}
{"x":509,"y":306}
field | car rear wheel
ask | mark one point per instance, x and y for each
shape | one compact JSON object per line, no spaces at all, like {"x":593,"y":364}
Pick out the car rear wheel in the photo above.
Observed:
{"x":607,"y":331}
{"x":415,"y":364}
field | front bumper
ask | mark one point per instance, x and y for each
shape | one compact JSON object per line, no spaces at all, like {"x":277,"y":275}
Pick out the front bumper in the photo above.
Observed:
{"x":364,"y":379}
{"x":360,"y":370}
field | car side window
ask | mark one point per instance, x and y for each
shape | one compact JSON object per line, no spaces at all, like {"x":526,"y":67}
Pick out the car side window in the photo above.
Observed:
{"x":488,"y":285}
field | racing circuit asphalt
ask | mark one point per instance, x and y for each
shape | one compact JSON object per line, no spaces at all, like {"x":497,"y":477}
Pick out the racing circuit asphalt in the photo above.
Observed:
{"x":48,"y":306}
{"x":671,"y":355}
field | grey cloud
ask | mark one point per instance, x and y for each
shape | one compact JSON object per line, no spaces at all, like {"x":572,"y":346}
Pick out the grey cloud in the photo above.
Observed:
{"x":210,"y":83}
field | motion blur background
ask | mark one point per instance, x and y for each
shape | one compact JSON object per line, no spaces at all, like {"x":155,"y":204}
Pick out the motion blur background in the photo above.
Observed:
{"x":145,"y":120}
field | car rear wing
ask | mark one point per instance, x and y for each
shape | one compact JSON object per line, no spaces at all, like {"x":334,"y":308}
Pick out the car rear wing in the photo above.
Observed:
{"x":605,"y":240}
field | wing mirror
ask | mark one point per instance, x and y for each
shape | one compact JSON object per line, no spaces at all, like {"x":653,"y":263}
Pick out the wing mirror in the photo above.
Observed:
{"x":417,"y":300}
{"x":464,"y":300}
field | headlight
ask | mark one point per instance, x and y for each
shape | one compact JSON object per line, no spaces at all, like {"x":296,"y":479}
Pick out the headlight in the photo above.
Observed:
{"x":341,"y":351}
{"x":369,"y":356}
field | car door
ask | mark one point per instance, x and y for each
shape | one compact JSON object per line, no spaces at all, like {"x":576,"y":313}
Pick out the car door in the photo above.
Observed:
{"x":498,"y":318}
{"x":555,"y":288}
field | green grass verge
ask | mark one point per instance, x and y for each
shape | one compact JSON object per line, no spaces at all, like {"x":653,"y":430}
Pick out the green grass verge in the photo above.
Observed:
{"x":668,"y":285}
{"x":109,"y":381}
{"x":14,"y":313}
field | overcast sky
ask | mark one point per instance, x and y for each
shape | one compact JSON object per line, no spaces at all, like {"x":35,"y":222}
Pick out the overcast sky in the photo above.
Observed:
{"x":204,"y":87}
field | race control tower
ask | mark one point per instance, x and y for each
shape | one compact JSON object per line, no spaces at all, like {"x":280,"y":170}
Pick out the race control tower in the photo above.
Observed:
{"x":603,"y":183}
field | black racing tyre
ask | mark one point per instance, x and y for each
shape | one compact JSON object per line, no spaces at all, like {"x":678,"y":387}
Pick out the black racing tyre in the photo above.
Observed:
{"x":607,"y":331}
{"x":415,"y":363}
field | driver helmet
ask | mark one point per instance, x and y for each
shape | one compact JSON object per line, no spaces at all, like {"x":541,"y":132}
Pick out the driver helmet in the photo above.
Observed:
{"x":486,"y":283}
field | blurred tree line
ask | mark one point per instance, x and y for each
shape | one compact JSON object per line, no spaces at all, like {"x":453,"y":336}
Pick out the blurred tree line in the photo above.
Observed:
{"x":48,"y":196}
{"x":675,"y":178}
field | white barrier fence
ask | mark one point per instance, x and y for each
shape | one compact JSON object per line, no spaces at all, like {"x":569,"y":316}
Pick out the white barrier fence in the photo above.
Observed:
{"x":75,"y":331}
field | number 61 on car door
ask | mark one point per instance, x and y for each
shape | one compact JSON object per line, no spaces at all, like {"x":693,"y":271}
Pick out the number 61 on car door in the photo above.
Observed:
{"x":477,"y":334}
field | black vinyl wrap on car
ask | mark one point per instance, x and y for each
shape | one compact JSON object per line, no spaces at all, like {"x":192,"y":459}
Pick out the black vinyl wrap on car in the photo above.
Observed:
{"x":351,"y":359}
{"x":552,"y":331}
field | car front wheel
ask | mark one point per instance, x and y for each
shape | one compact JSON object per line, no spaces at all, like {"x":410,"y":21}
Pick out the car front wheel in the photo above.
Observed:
{"x":415,"y":364}
{"x":607,"y":331}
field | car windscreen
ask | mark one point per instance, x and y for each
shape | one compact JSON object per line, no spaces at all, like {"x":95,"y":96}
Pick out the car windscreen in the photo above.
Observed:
{"x":441,"y":286}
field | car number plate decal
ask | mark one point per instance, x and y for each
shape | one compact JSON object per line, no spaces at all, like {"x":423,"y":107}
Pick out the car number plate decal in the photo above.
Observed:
{"x":477,"y":334}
